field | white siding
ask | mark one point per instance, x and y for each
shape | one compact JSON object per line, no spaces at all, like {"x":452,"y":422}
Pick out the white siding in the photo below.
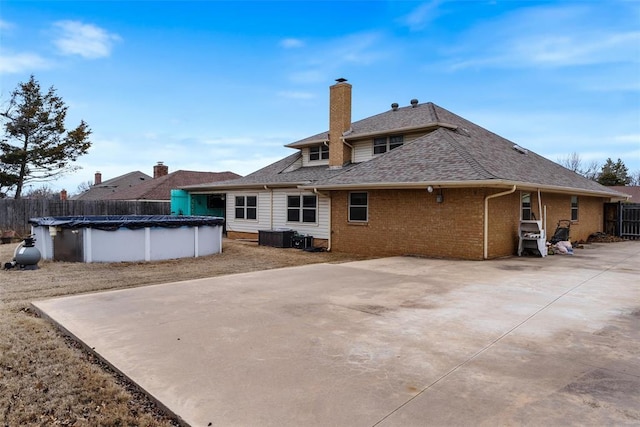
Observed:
{"x":362,"y":151}
{"x":319,"y":230}
{"x":263,"y":222}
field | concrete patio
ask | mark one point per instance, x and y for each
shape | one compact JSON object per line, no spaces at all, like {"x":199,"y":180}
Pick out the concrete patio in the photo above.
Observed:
{"x":386,"y":342}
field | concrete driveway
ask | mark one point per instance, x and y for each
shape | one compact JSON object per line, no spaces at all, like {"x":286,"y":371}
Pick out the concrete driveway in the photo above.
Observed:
{"x":387,"y":342}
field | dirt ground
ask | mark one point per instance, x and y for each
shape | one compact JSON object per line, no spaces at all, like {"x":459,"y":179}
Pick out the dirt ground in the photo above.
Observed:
{"x":47,"y":379}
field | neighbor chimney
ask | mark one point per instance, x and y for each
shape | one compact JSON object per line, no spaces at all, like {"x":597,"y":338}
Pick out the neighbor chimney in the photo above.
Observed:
{"x":97,"y":179}
{"x":63,"y":194}
{"x":339,"y":122}
{"x":160,"y":170}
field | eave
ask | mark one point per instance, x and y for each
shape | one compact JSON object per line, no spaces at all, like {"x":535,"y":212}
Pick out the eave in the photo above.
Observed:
{"x":492,"y":183}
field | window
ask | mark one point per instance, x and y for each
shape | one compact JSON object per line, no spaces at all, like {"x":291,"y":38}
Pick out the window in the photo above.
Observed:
{"x":246,"y":207}
{"x":526,"y":206}
{"x":301,"y":209}
{"x":384,"y":144}
{"x":574,"y":208}
{"x":319,"y":152}
{"x":358,"y":207}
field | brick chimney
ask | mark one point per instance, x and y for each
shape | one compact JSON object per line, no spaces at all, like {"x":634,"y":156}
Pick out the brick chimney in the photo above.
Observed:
{"x":160,"y":170}
{"x":339,"y":122}
{"x":97,"y":178}
{"x":63,"y":194}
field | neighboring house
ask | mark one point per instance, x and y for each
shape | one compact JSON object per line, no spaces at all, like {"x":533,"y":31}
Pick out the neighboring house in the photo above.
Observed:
{"x":632,"y":190}
{"x":138,"y":186}
{"x":412,"y":180}
{"x":100,"y":190}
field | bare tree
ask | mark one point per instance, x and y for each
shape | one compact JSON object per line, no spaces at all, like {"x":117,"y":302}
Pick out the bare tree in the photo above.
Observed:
{"x":574,"y":163}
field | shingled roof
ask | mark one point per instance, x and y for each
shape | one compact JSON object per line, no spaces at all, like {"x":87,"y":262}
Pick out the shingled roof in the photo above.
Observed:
{"x":104,"y":189}
{"x":455,"y":152}
{"x":160,"y":188}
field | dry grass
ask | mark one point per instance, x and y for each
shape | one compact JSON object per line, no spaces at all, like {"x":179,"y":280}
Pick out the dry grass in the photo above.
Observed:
{"x":47,"y":379}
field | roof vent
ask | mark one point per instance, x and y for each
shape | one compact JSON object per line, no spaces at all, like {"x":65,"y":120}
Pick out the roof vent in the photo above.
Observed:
{"x":414,"y":103}
{"x":394,"y":106}
{"x":520,"y":149}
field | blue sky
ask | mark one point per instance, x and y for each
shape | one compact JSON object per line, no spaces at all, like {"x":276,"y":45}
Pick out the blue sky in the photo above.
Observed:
{"x":217,"y":86}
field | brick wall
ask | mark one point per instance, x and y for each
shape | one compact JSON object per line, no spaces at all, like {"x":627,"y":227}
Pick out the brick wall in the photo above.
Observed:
{"x":410,"y":222}
{"x":590,"y":214}
{"x":504,"y":220}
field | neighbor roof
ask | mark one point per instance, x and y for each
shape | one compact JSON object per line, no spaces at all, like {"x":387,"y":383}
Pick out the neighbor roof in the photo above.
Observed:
{"x":104,"y":189}
{"x":160,"y":188}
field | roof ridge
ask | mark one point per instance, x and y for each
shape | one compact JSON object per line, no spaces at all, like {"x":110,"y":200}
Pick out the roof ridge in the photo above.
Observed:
{"x":432,"y":107}
{"x":464,"y":153}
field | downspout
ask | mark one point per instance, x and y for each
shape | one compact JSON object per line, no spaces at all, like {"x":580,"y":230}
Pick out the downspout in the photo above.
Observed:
{"x":315,"y":191}
{"x":486,"y":218}
{"x":270,"y":207}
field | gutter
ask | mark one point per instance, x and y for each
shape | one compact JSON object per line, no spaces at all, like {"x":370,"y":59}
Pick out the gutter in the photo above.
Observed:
{"x":485,"y":243}
{"x":315,"y":191}
{"x":486,"y":183}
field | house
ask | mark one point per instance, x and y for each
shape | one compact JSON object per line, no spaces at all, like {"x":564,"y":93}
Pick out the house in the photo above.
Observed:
{"x":632,"y":190}
{"x":417,"y":179}
{"x":99,"y":190}
{"x":138,"y":186}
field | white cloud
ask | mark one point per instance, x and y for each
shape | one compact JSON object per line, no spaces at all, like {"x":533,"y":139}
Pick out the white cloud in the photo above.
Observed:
{"x":629,"y":138}
{"x":559,"y":36}
{"x":291,"y":43}
{"x":333,"y":56}
{"x":296,"y":95}
{"x":6,"y":25}
{"x":421,"y":16}
{"x":21,"y":62}
{"x":86,"y":40}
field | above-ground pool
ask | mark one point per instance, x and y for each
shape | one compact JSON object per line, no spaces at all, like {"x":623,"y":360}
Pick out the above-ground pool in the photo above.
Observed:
{"x":126,"y":238}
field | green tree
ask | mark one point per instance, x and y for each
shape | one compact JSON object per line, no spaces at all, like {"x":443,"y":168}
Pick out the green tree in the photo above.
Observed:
{"x":614,"y":173}
{"x":36,"y":145}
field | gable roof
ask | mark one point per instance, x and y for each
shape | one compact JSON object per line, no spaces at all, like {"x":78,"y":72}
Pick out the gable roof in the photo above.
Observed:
{"x":160,"y":188}
{"x":108,"y":187}
{"x":454,"y":152}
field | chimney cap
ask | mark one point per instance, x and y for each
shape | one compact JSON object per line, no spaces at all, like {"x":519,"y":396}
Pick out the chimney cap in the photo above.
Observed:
{"x":341,"y":80}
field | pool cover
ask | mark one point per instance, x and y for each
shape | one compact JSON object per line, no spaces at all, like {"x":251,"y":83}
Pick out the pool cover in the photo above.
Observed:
{"x":113,"y":222}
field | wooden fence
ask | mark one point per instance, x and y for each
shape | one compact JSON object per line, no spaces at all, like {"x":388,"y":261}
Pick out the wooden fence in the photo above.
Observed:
{"x":15,"y":214}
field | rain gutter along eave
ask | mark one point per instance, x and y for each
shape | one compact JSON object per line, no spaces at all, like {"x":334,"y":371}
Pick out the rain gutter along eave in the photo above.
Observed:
{"x":252,"y":186}
{"x":488,"y":183}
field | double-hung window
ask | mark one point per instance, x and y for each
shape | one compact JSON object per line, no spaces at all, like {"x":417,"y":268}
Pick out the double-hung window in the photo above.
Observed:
{"x":302,"y":208}
{"x":574,"y":208}
{"x":384,"y":144}
{"x":247,"y":207}
{"x":358,"y":207}
{"x":319,"y":152}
